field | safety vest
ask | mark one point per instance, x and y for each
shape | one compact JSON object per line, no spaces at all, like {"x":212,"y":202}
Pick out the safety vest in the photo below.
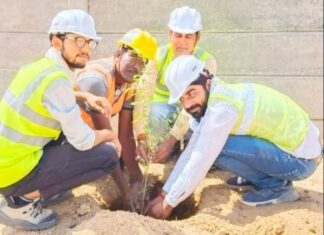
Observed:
{"x":25,"y":124}
{"x":126,"y":93}
{"x":164,"y":58}
{"x":264,"y":113}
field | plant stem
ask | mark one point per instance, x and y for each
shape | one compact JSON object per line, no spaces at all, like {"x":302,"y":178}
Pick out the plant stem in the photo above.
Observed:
{"x":144,"y":185}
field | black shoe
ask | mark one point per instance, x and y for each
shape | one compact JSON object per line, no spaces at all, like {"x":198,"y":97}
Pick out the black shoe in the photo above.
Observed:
{"x":57,"y":198}
{"x":239,"y":183}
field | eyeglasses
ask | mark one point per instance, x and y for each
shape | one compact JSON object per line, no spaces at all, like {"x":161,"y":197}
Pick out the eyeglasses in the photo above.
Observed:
{"x":134,"y":58}
{"x":81,"y":42}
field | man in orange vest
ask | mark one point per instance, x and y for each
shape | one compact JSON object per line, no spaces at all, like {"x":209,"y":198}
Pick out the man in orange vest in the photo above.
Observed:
{"x":113,"y":78}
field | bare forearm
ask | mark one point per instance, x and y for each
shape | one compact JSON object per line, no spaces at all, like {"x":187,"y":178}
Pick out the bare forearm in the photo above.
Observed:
{"x":100,"y":121}
{"x":104,"y":135}
{"x":125,"y":134}
{"x":120,"y":181}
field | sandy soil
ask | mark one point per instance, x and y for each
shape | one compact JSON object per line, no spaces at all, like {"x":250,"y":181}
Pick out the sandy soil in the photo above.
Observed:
{"x":213,"y":209}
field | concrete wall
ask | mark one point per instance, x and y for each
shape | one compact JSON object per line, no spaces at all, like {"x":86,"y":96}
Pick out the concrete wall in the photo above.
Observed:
{"x":274,"y":42}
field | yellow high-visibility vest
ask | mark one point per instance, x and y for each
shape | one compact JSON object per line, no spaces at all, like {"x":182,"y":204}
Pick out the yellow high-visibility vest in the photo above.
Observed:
{"x":25,"y":124}
{"x":164,"y":58}
{"x":264,"y":113}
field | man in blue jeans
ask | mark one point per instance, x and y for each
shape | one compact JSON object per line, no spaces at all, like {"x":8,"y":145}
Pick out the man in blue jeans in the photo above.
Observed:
{"x":251,"y":130}
{"x":156,"y":123}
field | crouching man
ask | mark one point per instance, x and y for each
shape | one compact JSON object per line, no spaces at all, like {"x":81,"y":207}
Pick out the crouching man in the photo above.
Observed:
{"x":253,"y":131}
{"x":37,"y":166}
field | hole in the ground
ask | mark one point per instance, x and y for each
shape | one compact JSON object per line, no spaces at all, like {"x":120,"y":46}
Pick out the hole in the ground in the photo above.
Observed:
{"x":183,"y":211}
{"x":154,"y":189}
{"x":116,"y":205}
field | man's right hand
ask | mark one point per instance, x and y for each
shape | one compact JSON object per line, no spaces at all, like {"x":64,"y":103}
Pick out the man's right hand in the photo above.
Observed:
{"x":158,"y":199}
{"x":164,"y":149}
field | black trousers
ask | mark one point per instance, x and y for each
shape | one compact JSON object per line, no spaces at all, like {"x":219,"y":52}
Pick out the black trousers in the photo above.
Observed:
{"x":63,"y":167}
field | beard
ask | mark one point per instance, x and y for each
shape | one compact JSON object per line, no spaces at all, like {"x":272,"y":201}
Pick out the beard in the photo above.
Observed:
{"x":72,"y":64}
{"x":198,"y":111}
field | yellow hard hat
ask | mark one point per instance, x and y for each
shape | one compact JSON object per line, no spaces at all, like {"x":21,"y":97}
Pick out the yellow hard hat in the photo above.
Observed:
{"x":141,"y":41}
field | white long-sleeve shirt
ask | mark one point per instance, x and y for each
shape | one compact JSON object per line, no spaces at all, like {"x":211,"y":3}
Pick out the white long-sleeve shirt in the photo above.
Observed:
{"x":206,"y":143}
{"x":60,"y":102}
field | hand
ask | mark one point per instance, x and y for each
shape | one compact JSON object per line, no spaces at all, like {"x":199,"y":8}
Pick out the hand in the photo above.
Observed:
{"x":158,"y":199}
{"x":133,"y":197}
{"x":158,"y":208}
{"x":129,"y":200}
{"x":99,"y":104}
{"x":142,"y":150}
{"x":130,"y":204}
{"x":136,"y":194}
{"x":164,"y":149}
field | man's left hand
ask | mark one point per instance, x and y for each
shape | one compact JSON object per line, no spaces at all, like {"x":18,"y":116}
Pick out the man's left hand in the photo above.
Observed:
{"x":164,"y":149}
{"x":160,"y":210}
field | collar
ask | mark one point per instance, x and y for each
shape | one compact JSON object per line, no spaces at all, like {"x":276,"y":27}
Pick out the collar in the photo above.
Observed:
{"x":53,"y":54}
{"x":214,"y":83}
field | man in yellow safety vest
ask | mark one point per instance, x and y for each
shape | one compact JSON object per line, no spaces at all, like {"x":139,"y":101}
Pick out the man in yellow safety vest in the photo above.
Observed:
{"x":251,"y":130}
{"x":45,"y":147}
{"x":156,"y":122}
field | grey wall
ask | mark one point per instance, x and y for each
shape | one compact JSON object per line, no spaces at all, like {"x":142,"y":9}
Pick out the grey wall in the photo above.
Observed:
{"x":274,"y":42}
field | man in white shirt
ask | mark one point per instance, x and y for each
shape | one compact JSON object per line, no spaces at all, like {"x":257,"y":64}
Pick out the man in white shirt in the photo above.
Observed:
{"x":45,"y":147}
{"x":253,"y":131}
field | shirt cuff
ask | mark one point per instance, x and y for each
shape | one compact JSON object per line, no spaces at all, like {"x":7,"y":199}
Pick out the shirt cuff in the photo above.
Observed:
{"x":170,"y":201}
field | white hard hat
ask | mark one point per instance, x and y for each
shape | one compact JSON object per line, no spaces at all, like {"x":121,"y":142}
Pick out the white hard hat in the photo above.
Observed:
{"x":74,"y":21}
{"x":185,"y":20}
{"x":180,"y":73}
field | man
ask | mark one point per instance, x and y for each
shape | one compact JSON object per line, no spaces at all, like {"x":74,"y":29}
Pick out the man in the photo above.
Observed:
{"x":154,"y":117}
{"x":112,"y":78}
{"x":253,"y":131}
{"x":37,"y":165}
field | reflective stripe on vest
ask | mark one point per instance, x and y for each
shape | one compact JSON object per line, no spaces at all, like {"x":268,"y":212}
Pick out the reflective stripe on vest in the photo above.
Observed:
{"x":15,"y":136}
{"x":164,"y":58}
{"x":25,"y":124}
{"x":18,"y":104}
{"x":264,"y":113}
{"x":248,"y":110}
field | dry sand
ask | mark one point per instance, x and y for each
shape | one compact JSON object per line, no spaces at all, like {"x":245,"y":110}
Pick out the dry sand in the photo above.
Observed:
{"x":213,"y":209}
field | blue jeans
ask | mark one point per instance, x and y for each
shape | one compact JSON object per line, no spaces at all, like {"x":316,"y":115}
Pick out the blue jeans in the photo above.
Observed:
{"x":162,"y":118}
{"x":262,"y":163}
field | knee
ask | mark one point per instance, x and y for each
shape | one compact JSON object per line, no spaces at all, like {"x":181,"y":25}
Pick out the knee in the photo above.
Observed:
{"x":109,"y":155}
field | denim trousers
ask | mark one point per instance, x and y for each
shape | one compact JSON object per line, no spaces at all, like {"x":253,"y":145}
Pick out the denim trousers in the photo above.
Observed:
{"x":263,"y":163}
